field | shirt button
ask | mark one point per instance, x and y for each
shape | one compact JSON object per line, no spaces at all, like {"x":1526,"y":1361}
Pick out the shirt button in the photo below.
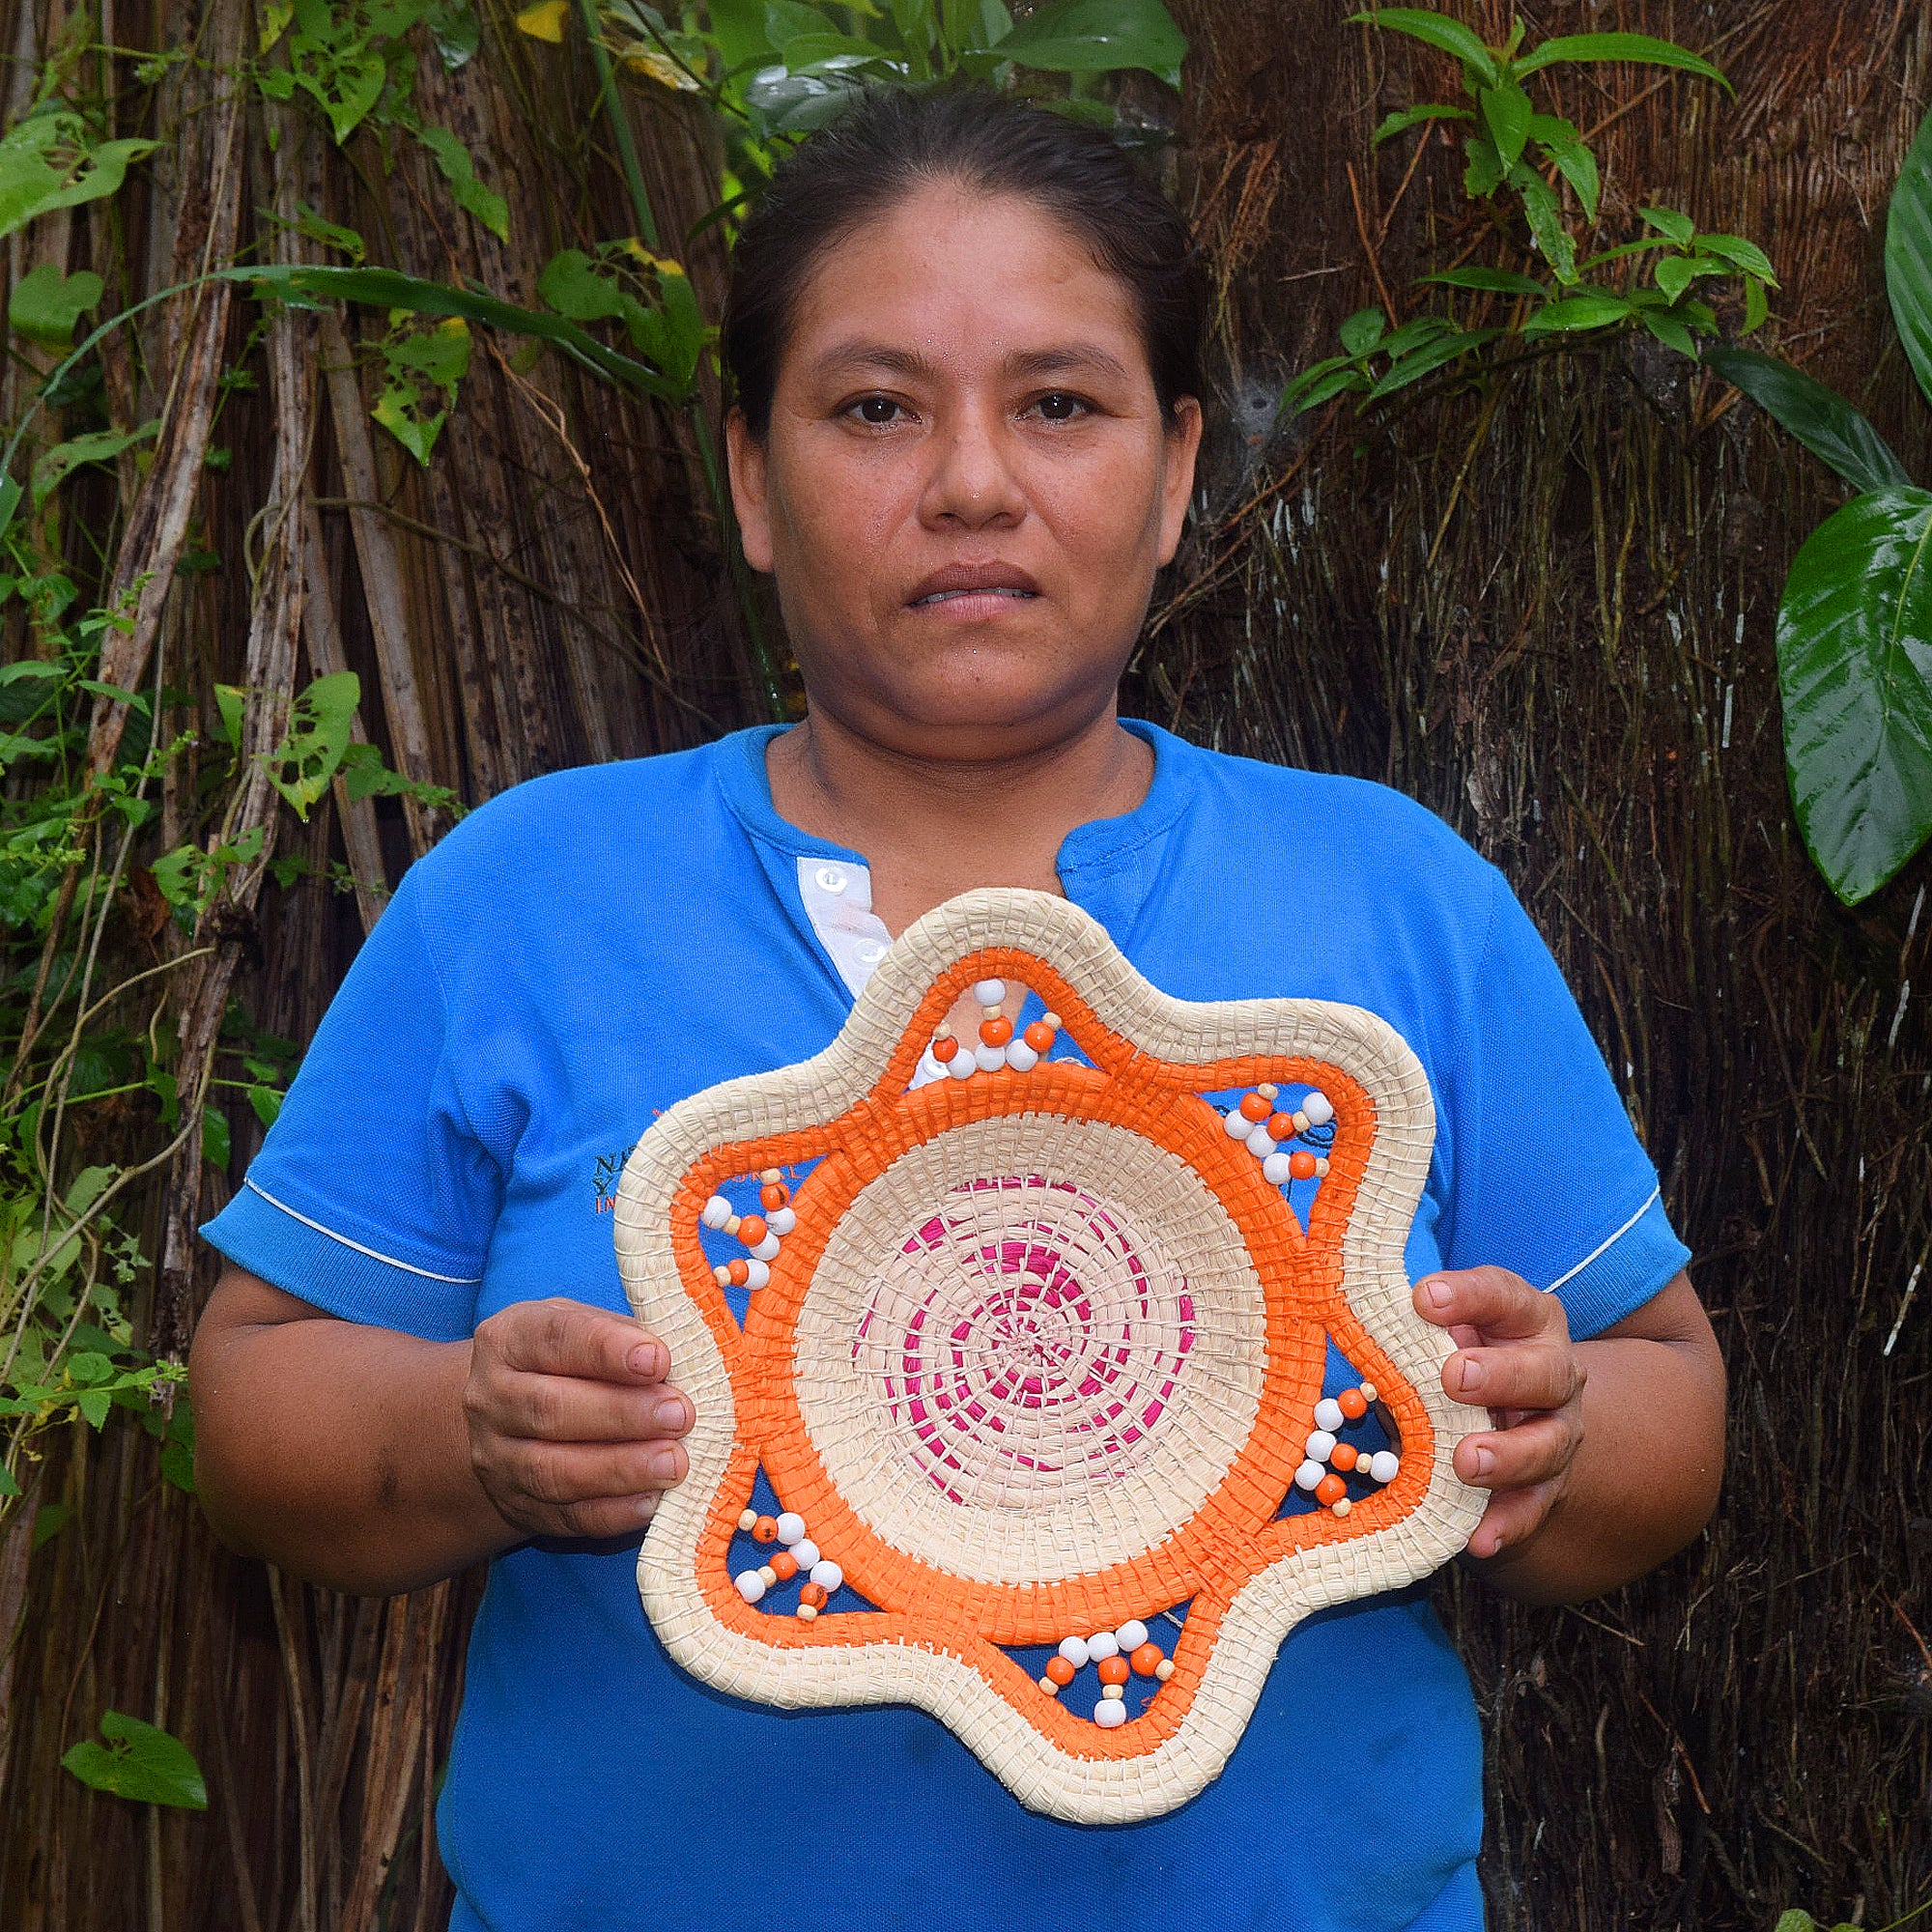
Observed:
{"x":832,"y":879}
{"x":871,"y":952}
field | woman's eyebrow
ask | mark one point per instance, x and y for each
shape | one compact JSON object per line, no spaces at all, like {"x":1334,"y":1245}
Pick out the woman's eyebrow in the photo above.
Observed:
{"x":1059,"y":360}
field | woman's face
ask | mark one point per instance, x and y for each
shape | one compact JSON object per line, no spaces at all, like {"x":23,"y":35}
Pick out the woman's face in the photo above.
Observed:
{"x":968,"y":483}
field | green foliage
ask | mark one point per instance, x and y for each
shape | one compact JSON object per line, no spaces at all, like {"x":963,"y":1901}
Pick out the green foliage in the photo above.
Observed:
{"x":1544,"y":186}
{"x":651,"y":296}
{"x":50,"y":159}
{"x":415,"y":358}
{"x":140,"y":1763}
{"x":45,"y":305}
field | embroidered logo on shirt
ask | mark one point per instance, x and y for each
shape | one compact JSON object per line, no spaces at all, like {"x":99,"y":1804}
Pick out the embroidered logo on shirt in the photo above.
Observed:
{"x":605,"y":1177}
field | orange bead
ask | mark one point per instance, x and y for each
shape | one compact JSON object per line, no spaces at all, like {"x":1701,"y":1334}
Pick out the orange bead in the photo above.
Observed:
{"x":740,"y":1272}
{"x":1330,"y":1490}
{"x":1146,"y":1660}
{"x":1352,"y":1403}
{"x":996,"y":1032}
{"x":1301,"y":1166}
{"x":944,"y":1048}
{"x":784,"y":1565}
{"x":1254,"y":1108}
{"x":772,"y":1196}
{"x":765,"y":1529}
{"x":1059,"y":1671}
{"x":1343,"y":1456}
{"x":1112,"y":1669}
{"x":1281,"y":1126}
{"x":814,"y":1594}
{"x":1040,"y":1035}
{"x":751,"y":1230}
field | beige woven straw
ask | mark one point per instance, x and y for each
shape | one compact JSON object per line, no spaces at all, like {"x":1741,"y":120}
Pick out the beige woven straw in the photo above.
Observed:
{"x":1038,"y":1357}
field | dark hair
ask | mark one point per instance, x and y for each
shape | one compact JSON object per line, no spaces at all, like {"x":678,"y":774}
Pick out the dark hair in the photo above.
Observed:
{"x":890,"y":143}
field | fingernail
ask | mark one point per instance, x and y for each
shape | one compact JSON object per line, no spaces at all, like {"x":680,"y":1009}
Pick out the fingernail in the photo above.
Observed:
{"x":663,"y":1465}
{"x":1437,"y":1293}
{"x":670,"y":1413}
{"x":1472,"y":1375}
{"x":1486,"y":1461}
{"x":645,"y":1359}
{"x":648,"y":1507}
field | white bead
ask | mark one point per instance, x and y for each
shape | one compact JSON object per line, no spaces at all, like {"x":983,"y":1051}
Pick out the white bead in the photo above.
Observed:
{"x":1301,"y":1120}
{"x":1237,"y":1125}
{"x":827,"y":1575}
{"x":1368,"y":1391}
{"x":767,"y":1250}
{"x":1102,"y":1643}
{"x":1322,"y":1167}
{"x":962,"y":1065}
{"x":989,"y":1059}
{"x":1110,"y":1713}
{"x":1320,"y":1446}
{"x":756,"y":1274}
{"x":990,"y":992}
{"x":1261,"y":1143}
{"x":1020,"y":1057}
{"x":781,"y":1220}
{"x":751,"y":1585}
{"x":1276,"y":1172}
{"x":1316,"y":1106}
{"x":716,"y":1211}
{"x":1117,"y":1692}
{"x":807,"y":1552}
{"x":1308,"y":1475}
{"x":767,"y":1575}
{"x":807,"y":1612}
{"x":748,"y":1520}
{"x":1074,"y":1650}
{"x":1385,"y":1465}
{"x":791,"y":1527}
{"x":1051,"y":1689}
{"x":1132,"y":1634}
{"x":1328,"y":1415}
{"x":722,"y":1276}
{"x":1267,"y":1090}
{"x":1164,"y":1670}
{"x":1343,"y":1507}
{"x":732,"y":1223}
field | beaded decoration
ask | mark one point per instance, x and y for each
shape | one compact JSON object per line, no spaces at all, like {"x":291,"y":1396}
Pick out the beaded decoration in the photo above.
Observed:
{"x":1011,"y":1406}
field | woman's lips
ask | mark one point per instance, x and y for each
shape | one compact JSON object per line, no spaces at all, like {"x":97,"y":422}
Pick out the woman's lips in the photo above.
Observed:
{"x":976,"y":604}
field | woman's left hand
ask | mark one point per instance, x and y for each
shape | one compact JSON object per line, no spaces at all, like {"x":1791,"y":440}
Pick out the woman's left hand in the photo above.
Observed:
{"x":1514,"y":1356}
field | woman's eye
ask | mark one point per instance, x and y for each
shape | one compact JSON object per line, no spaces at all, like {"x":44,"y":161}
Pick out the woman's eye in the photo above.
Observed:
{"x":878,"y":411}
{"x":1059,"y":407}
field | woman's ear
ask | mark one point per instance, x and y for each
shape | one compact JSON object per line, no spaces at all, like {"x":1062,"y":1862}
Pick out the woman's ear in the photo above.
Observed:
{"x":1182,"y":445}
{"x":745,"y":457}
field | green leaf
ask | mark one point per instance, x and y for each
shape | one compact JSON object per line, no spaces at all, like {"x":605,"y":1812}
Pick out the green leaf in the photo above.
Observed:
{"x":1756,"y":307}
{"x":141,"y":1763}
{"x":1310,"y":391}
{"x":215,"y":1147}
{"x":8,"y":1487}
{"x":102,"y":445}
{"x":346,"y":78}
{"x":1498,"y":281}
{"x":1450,"y":35}
{"x":1405,"y":117}
{"x":1676,"y":273}
{"x":94,"y":1403}
{"x":1745,"y":256}
{"x":1640,"y":49}
{"x":1362,"y":330}
{"x":1907,"y":256}
{"x":10,"y":500}
{"x":1430,"y":356}
{"x":455,"y":30}
{"x":319,"y":719}
{"x":1855,"y":670}
{"x":1678,"y":228}
{"x":49,"y":1520}
{"x":384,"y":288}
{"x":229,"y":701}
{"x":1544,"y":215}
{"x":1589,"y":310}
{"x":1795,"y":1920}
{"x":1670,"y":331}
{"x":1507,"y":114}
{"x":1572,"y":158}
{"x":89,"y":1367}
{"x":45,"y":305}
{"x":459,"y":170}
{"x":1097,"y":36}
{"x":45,"y":163}
{"x":266,"y":1103}
{"x":1820,"y":419}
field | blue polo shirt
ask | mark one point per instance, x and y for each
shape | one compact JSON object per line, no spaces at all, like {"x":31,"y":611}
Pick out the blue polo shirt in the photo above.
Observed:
{"x":590,"y":948}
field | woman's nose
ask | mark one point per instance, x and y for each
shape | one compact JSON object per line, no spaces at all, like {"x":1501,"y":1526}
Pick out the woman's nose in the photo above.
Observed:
{"x":972,"y":484}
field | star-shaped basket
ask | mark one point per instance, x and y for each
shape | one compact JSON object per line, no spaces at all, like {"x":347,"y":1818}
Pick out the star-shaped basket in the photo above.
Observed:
{"x":1011,"y":1406}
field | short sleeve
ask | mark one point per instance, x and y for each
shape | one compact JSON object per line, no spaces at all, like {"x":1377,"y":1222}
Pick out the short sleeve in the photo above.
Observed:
{"x":370,"y":1196}
{"x":1548,"y":1179}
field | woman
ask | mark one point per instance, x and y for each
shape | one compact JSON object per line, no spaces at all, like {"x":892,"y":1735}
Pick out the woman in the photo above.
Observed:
{"x":962,"y":340}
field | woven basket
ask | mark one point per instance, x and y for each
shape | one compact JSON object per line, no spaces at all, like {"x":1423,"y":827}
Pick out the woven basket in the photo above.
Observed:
{"x":1038,"y":1358}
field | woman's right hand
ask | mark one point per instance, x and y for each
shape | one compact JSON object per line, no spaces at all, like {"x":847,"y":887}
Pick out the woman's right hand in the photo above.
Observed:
{"x":573,"y":1427}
